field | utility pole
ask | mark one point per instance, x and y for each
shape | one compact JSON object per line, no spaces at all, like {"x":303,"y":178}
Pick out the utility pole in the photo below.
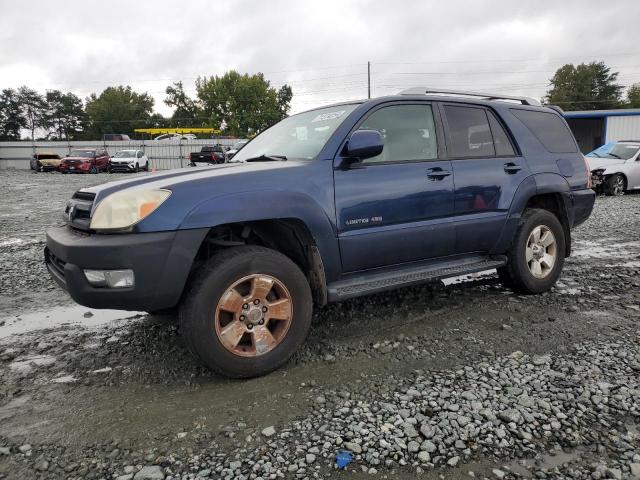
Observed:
{"x":368,"y":79}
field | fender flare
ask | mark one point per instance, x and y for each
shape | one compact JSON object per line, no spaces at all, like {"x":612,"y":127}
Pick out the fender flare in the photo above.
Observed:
{"x":271,"y":205}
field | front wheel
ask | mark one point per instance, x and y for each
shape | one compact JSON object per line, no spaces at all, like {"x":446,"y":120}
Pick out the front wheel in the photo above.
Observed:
{"x":536,"y":256}
{"x":93,"y":169}
{"x":246,"y":312}
{"x":616,"y":185}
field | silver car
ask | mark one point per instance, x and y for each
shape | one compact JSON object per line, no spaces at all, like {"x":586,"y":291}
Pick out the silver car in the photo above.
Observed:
{"x":616,"y":168}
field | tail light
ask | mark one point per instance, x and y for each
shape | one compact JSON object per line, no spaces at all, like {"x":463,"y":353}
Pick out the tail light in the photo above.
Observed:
{"x":586,"y":165}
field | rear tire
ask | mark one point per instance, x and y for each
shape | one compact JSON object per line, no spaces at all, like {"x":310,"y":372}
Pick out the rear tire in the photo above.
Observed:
{"x":616,"y":185}
{"x":536,"y":256}
{"x":236,"y":277}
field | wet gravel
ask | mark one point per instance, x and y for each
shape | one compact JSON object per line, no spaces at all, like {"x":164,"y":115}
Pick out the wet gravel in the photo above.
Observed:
{"x":461,"y":381}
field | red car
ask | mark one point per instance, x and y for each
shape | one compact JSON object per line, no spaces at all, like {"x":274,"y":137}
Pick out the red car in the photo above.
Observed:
{"x":85,"y":160}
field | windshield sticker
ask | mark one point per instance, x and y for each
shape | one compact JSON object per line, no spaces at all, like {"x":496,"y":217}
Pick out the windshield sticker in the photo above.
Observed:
{"x":328,"y":116}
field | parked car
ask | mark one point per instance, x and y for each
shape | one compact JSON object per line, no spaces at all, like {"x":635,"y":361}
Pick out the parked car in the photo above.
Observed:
{"x":236,"y":148}
{"x":85,"y":160}
{"x":208,"y":155}
{"x":326,"y":205}
{"x":128,"y":161}
{"x":45,"y":162}
{"x":615,"y":167}
{"x":176,"y":137}
{"x":115,"y":137}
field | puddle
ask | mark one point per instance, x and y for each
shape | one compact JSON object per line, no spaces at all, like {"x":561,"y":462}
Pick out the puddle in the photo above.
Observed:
{"x":472,"y":277}
{"x":544,"y":462}
{"x":61,"y":316}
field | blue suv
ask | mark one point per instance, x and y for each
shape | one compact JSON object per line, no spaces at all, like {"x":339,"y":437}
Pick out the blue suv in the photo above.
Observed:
{"x":326,"y":205}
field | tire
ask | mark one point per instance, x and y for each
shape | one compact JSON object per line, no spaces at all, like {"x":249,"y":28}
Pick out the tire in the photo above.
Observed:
{"x":616,"y":185}
{"x":518,"y":274}
{"x":200,"y":314}
{"x":93,"y":170}
{"x":137,"y":168}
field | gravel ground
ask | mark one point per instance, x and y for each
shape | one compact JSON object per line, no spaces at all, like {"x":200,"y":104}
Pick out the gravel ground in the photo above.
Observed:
{"x":458,"y":381}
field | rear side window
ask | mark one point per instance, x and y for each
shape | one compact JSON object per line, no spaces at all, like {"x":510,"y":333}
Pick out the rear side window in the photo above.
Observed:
{"x":548,"y":128}
{"x":500,"y":138}
{"x":469,"y":132}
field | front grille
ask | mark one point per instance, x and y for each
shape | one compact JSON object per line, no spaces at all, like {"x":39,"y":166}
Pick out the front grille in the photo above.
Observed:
{"x":55,"y":264}
{"x":78,"y":210}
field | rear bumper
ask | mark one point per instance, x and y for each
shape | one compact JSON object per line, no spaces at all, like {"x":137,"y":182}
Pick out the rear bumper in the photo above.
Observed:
{"x":583,"y":201}
{"x":161,"y":262}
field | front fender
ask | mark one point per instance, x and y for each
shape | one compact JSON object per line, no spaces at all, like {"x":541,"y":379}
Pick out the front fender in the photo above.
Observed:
{"x":269,"y":205}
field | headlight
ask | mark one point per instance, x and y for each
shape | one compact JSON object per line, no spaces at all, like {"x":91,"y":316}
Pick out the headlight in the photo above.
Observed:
{"x":124,"y":209}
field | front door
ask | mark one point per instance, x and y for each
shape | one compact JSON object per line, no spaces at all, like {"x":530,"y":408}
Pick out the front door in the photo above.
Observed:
{"x":396,"y":207}
{"x":488,"y":172}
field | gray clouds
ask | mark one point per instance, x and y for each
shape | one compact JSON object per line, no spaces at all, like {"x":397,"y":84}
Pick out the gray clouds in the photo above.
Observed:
{"x":320,"y":48}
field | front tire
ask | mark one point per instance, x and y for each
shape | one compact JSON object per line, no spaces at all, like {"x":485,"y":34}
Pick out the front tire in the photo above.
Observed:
{"x":536,"y":256}
{"x":616,"y":185}
{"x":247,"y":311}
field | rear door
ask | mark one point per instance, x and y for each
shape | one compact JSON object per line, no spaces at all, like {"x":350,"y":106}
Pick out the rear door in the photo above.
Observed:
{"x":487,"y":171}
{"x":102,"y":158}
{"x":396,"y":207}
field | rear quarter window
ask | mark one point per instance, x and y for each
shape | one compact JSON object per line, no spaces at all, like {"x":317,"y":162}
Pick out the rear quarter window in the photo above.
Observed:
{"x":549,"y":129}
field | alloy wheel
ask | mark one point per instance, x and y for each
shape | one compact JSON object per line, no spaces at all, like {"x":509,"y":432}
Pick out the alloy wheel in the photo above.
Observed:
{"x":253,"y":315}
{"x":617,"y":187}
{"x":541,"y":251}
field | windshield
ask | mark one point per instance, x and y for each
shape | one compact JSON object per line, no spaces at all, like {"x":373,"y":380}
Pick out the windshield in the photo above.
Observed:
{"x":239,"y":145}
{"x":615,"y":151}
{"x":299,"y":136}
{"x":82,"y":153}
{"x":125,"y":154}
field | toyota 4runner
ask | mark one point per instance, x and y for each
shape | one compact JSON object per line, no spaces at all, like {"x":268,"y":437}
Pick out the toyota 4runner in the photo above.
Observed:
{"x":326,"y":205}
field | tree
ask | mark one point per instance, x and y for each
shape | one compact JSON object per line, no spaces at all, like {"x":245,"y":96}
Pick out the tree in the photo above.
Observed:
{"x":118,"y":110}
{"x":633,"y":96}
{"x":186,"y":112}
{"x":64,"y":115}
{"x":589,"y":86}
{"x":242,"y":104}
{"x":11,"y":115}
{"x":33,"y":109}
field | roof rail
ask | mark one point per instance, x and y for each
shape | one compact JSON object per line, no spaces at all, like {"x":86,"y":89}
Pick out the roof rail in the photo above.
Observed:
{"x":462,"y":93}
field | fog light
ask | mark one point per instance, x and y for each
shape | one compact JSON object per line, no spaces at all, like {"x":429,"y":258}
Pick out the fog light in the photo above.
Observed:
{"x":110,"y":278}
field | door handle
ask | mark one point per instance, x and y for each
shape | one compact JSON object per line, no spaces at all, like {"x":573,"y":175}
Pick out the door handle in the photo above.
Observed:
{"x":437,"y":173}
{"x":512,"y":168}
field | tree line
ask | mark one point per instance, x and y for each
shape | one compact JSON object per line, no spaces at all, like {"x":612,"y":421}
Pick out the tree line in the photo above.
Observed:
{"x":238,"y":105}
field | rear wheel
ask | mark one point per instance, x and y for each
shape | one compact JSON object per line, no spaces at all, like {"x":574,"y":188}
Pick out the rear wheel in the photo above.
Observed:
{"x":247,"y":311}
{"x":536,"y":256}
{"x":616,"y":185}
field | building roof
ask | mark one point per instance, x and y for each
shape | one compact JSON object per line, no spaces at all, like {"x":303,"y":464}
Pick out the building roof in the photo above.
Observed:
{"x":621,"y":112}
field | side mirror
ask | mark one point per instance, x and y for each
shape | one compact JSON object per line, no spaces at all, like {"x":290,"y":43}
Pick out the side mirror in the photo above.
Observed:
{"x":364,"y":144}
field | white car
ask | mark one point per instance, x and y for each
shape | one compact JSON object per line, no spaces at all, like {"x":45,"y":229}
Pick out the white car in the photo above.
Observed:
{"x":128,"y":161}
{"x":615,"y":168}
{"x":236,"y":148}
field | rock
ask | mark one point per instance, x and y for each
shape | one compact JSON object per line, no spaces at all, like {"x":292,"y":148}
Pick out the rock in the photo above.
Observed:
{"x":353,"y":446}
{"x":635,"y":471}
{"x":428,"y":446}
{"x":150,"y":472}
{"x":309,"y":458}
{"x":89,"y":315}
{"x":541,"y":359}
{"x":269,"y":431}
{"x":24,"y":448}
{"x":320,"y":400}
{"x":453,"y":461}
{"x":413,"y":446}
{"x":427,"y":430}
{"x":498,"y":473}
{"x":614,"y":473}
{"x":510,"y":416}
{"x":424,"y":457}
{"x":5,"y":451}
{"x":126,"y":476}
{"x":42,"y":466}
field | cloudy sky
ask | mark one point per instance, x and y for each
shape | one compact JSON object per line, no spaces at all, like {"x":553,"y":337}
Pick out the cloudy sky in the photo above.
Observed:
{"x":320,"y":48}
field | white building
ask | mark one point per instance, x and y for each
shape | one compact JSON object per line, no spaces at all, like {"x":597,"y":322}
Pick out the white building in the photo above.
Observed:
{"x":594,"y":128}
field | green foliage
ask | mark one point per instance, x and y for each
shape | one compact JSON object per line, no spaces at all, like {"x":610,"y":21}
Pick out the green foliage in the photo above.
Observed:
{"x":589,"y":86}
{"x":186,"y":111}
{"x":11,"y":115}
{"x":242,"y":105}
{"x":118,"y":110}
{"x":64,"y":117}
{"x":633,"y":96}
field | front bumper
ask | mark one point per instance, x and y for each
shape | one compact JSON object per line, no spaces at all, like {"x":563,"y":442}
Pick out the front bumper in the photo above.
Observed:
{"x":122,"y":167}
{"x":161,"y":262}
{"x":75,"y":168}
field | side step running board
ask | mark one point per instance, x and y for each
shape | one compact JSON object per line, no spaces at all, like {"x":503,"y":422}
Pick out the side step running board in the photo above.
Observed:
{"x":367,"y":284}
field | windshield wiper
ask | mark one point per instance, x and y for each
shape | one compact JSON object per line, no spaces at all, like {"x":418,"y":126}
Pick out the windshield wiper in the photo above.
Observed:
{"x":594,"y":153}
{"x":267,"y":158}
{"x":614,"y":155}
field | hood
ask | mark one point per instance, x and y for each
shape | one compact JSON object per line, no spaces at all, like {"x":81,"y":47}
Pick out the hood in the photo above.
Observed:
{"x":226,"y":176}
{"x":122,"y":159}
{"x":595,"y":162}
{"x":81,"y":159}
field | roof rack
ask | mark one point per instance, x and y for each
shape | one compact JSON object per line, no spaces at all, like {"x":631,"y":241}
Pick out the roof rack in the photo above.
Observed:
{"x":462,"y":93}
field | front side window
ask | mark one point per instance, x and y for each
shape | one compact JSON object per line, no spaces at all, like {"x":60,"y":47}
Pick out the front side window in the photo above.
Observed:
{"x":300,"y":136}
{"x":469,"y":132}
{"x":408,"y":131}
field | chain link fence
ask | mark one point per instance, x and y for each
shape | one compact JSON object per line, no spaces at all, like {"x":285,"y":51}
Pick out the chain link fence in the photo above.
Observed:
{"x":162,"y":154}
